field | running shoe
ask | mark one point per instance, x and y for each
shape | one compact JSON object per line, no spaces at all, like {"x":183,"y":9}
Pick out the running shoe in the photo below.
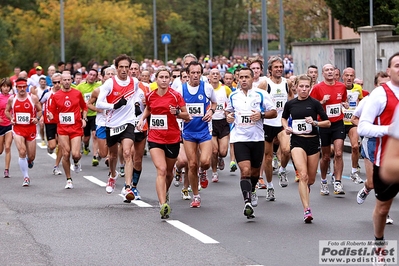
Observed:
{"x":165,"y":211}
{"x":178,"y":178}
{"x":6,"y":173}
{"x":270,"y":194}
{"x":362,"y":195}
{"x":220,"y":163}
{"x":215,"y":177}
{"x":254,"y":199}
{"x":389,"y":220}
{"x":56,"y":171}
{"x":275,"y":162}
{"x":338,"y":188}
{"x":43,"y":143}
{"x":332,"y":179}
{"x":122,"y":171}
{"x":110,"y":187}
{"x":203,"y":179}
{"x":249,"y":211}
{"x":30,"y":164}
{"x":136,"y":193}
{"x":50,"y":151}
{"x":95,"y":161}
{"x":128,"y":194}
{"x":189,"y":188}
{"x":196,"y":203}
{"x":26,"y":182}
{"x":307,"y":216}
{"x":86,"y":151}
{"x":185,"y":194}
{"x":283,"y":180}
{"x":233,"y":166}
{"x":356,"y":178}
{"x":324,"y":188}
{"x":77,"y":168}
{"x":69,"y":184}
{"x":296,"y":176}
{"x":261,"y":183}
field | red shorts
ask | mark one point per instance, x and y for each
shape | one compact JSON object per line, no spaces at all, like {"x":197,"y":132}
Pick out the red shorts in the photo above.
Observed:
{"x":71,"y":131}
{"x":28,"y":132}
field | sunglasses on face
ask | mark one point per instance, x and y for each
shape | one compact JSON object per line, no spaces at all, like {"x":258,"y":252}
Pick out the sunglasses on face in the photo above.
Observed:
{"x":175,"y":76}
{"x":56,"y":82}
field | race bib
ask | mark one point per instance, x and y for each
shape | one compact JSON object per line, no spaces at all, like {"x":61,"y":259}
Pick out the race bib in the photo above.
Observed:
{"x":87,"y":96}
{"x":180,"y":123}
{"x":22,"y":118}
{"x":333,"y":110}
{"x":219,"y":108}
{"x":299,"y":126}
{"x":117,"y":130}
{"x":159,"y":122}
{"x":195,"y":109}
{"x":348,"y":113}
{"x":279,"y":101}
{"x":243,"y":119}
{"x":67,"y":118}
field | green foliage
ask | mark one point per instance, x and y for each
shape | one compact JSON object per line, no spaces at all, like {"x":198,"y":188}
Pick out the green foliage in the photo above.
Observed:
{"x":356,"y":13}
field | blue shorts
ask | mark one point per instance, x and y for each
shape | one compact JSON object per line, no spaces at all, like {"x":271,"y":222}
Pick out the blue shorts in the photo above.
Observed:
{"x":197,"y":137}
{"x":368,"y":148}
{"x":100,"y":132}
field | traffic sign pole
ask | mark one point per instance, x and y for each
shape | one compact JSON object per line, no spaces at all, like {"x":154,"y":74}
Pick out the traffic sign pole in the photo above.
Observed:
{"x":166,"y":53}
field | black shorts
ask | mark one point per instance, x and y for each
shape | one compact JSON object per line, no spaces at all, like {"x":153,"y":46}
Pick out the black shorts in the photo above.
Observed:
{"x":90,"y":126}
{"x":220,"y":128}
{"x":128,"y":133}
{"x":271,"y":132}
{"x":5,"y":129}
{"x":250,"y":151}
{"x":348,"y":128}
{"x":51,"y":131}
{"x":171,"y":150}
{"x":335,"y":131}
{"x":311,"y":145}
{"x":383,"y":191}
{"x":140,"y":136}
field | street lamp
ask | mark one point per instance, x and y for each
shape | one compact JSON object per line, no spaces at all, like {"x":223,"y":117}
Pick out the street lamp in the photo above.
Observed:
{"x":282,"y":30}
{"x":264,"y":35}
{"x":154,"y":6}
{"x":210,"y":28}
{"x":62,"y":31}
{"x":249,"y":30}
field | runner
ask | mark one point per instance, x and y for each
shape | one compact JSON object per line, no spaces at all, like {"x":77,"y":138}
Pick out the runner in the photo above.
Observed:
{"x":305,"y":142}
{"x":164,"y":105}
{"x":247,"y":107}
{"x":118,"y":96}
{"x":375,"y":121}
{"x":332,"y":95}
{"x":70,"y":108}
{"x":24,"y":111}
{"x":201,"y":103}
{"x":5,"y":125}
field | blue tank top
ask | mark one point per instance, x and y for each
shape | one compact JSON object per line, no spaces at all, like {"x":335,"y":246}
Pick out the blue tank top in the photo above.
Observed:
{"x":196,"y":125}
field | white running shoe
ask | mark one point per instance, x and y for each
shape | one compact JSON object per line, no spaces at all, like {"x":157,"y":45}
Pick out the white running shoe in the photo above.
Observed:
{"x":356,"y":178}
{"x":283,"y":180}
{"x":254,"y":199}
{"x":215,"y":177}
{"x":185,"y":194}
{"x":69,"y":184}
{"x":77,"y":168}
{"x":338,"y":188}
{"x":56,"y":171}
{"x":324,"y":188}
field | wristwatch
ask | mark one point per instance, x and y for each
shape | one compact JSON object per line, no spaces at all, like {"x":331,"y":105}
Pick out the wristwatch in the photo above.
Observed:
{"x":262,"y":115}
{"x":85,"y":119}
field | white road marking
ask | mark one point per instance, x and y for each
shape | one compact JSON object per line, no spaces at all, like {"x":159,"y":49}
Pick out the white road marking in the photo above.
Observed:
{"x":95,"y":180}
{"x":192,"y":232}
{"x":139,"y":203}
{"x":53,"y":155}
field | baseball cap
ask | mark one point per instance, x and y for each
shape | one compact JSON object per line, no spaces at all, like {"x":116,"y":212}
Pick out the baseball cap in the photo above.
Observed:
{"x":39,"y":68}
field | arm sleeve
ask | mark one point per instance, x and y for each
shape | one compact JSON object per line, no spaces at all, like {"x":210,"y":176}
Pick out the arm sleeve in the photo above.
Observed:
{"x":105,"y":90}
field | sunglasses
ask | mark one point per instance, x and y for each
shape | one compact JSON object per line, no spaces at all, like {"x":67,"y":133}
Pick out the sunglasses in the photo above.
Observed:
{"x":176,"y":76}
{"x":56,"y":82}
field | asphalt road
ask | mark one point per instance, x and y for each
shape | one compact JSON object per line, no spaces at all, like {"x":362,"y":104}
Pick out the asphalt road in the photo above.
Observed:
{"x":46,"y":224}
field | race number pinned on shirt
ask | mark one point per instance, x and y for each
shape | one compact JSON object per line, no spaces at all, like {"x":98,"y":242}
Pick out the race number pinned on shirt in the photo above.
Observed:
{"x":220,"y":108}
{"x":348,"y":113}
{"x":159,"y":122}
{"x":67,"y":118}
{"x":243,"y":119}
{"x":87,"y":96}
{"x":117,"y":130}
{"x":279,"y":101}
{"x":195,"y":109}
{"x":299,"y":126}
{"x":22,"y":118}
{"x":333,"y":110}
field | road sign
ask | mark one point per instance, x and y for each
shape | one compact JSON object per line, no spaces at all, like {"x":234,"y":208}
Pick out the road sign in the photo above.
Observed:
{"x":165,"y":38}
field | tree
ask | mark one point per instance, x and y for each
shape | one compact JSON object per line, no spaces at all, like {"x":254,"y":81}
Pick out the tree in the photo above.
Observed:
{"x":356,"y":13}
